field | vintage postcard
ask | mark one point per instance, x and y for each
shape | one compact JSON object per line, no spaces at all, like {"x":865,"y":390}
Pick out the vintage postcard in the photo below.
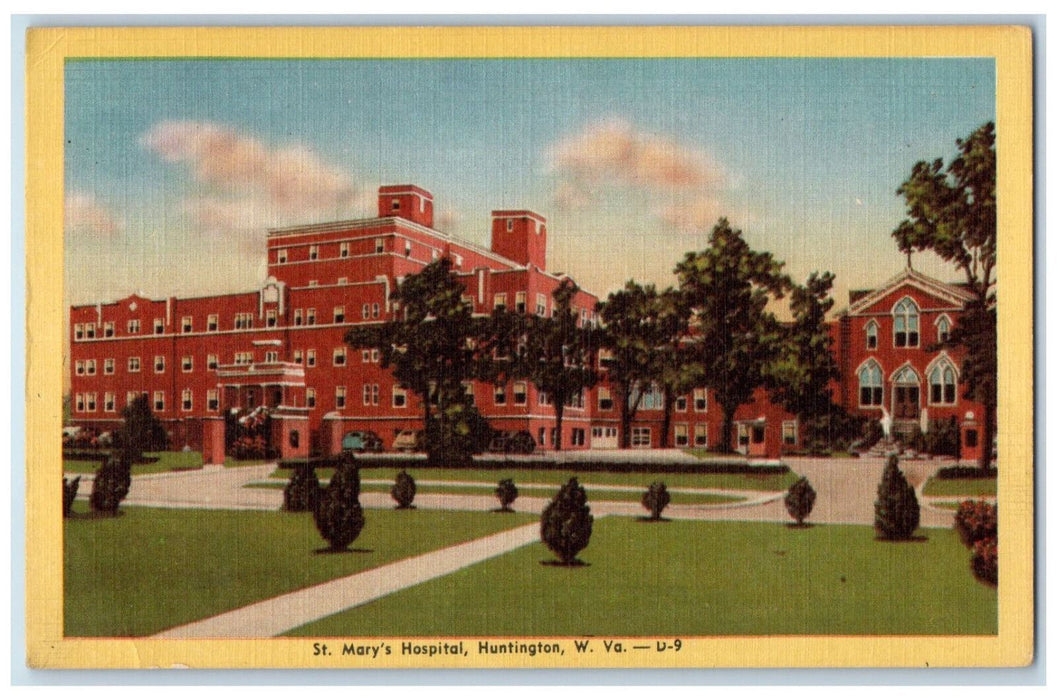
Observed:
{"x":529,"y":347}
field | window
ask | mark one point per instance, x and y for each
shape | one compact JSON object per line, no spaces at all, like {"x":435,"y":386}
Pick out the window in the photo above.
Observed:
{"x":339,"y":357}
{"x":187,"y":364}
{"x":519,"y":302}
{"x":395,"y":205}
{"x":313,"y":252}
{"x":371,"y":393}
{"x":130,"y":397}
{"x":641,"y":437}
{"x":313,"y":283}
{"x":520,"y":393}
{"x":500,"y":301}
{"x":90,"y":402}
{"x":700,"y":435}
{"x":244,"y":358}
{"x":282,"y":255}
{"x":541,"y":304}
{"x":186,"y":400}
{"x":299,"y":356}
{"x":78,"y":331}
{"x":652,"y":398}
{"x":298,"y":317}
{"x":375,"y":355}
{"x":541,"y":438}
{"x":544,"y":399}
{"x":399,"y":397}
{"x":159,"y":401}
{"x":159,"y":364}
{"x":212,"y":402}
{"x":509,"y":225}
{"x":310,"y":398}
{"x":133,"y":326}
{"x":500,"y":395}
{"x":133,"y":364}
{"x":943,"y":329}
{"x":942,"y":384}
{"x":243,"y":321}
{"x":366,"y":310}
{"x":79,"y":367}
{"x":310,"y":358}
{"x":108,"y":329}
{"x":700,"y":400}
{"x":159,"y":326}
{"x":339,"y":397}
{"x":682,"y":435}
{"x":578,"y":437}
{"x":270,"y":318}
{"x":906,"y":324}
{"x":605,"y":399}
{"x":680,"y":404}
{"x":379,"y":245}
{"x":212,"y":323}
{"x":871,"y":390}
{"x":343,"y":280}
{"x":789,"y":432}
{"x":89,"y":330}
{"x":871,"y":335}
{"x":467,"y":390}
{"x":271,"y":356}
{"x":108,"y":365}
{"x":343,"y":249}
{"x":89,"y":367}
{"x":339,"y":314}
{"x":211,"y":362}
{"x":375,"y":310}
{"x":186,"y":324}
{"x":310,"y":317}
{"x":109,"y":403}
{"x":79,"y":403}
{"x":407,"y":248}
{"x":365,"y":356}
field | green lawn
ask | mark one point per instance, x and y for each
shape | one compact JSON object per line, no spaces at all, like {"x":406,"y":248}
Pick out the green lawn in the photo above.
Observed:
{"x":546,"y":491}
{"x":555,"y":477}
{"x":152,"y":569}
{"x":167,"y":462}
{"x":697,"y":578}
{"x":961,"y":487}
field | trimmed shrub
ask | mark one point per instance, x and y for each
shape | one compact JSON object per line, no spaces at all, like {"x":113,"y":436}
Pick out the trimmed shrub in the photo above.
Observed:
{"x":111,"y":483}
{"x":976,"y":521}
{"x":338,"y":515}
{"x":985,"y":560}
{"x":656,"y":499}
{"x":896,"y":510}
{"x":506,"y":492}
{"x":961,"y":471}
{"x":302,"y":492}
{"x":403,"y":491}
{"x":565,"y":526}
{"x":69,"y":493}
{"x":800,"y":499}
{"x":872,"y":433}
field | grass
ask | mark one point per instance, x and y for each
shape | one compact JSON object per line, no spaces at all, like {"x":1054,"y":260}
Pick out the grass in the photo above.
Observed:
{"x":167,"y":462}
{"x":747,"y":482}
{"x":697,"y":578}
{"x":962,"y":487}
{"x":594,"y":494}
{"x":152,"y":569}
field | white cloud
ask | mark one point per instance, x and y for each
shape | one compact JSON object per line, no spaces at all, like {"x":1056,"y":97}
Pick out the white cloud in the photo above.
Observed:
{"x":85,"y":215}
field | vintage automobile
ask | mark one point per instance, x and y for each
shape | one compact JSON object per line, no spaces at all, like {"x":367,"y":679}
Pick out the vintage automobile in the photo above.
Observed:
{"x":512,"y":442}
{"x":409,"y":441}
{"x":361,"y":441}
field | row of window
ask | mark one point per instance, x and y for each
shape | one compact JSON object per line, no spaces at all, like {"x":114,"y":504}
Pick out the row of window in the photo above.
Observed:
{"x":282,"y":255}
{"x":942,"y":378}
{"x":86,"y":402}
{"x":906,"y":332}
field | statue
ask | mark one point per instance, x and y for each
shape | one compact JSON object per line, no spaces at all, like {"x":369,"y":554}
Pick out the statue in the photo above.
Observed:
{"x":886,"y":422}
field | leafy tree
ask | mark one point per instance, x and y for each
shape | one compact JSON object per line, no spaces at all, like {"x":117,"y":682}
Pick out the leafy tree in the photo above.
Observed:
{"x":69,"y":494}
{"x":403,"y":489}
{"x":142,"y":431}
{"x":728,"y":287}
{"x":111,"y":483}
{"x":951,"y":212}
{"x":800,"y":499}
{"x":338,"y":515}
{"x":558,"y":355}
{"x":433,"y":346}
{"x":506,"y":492}
{"x":896,"y":510}
{"x":565,"y":525}
{"x":673,"y":370}
{"x":656,"y":499}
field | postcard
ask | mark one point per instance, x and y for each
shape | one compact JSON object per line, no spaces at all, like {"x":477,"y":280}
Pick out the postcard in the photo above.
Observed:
{"x":529,"y":347}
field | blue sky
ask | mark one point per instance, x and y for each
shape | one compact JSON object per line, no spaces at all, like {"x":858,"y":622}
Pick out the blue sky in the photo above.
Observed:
{"x":172,"y":163}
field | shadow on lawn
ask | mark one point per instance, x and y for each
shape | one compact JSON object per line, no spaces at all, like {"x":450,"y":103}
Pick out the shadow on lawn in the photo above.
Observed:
{"x":565,"y":564}
{"x":346,"y":550}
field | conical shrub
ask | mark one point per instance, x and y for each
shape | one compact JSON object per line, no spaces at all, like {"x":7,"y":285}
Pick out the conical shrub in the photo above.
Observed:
{"x":896,"y":510}
{"x":506,"y":492}
{"x":403,"y":490}
{"x":302,"y":492}
{"x":338,"y":515}
{"x":656,"y":499}
{"x":111,"y":483}
{"x":565,"y":526}
{"x":69,"y":493}
{"x":800,"y":499}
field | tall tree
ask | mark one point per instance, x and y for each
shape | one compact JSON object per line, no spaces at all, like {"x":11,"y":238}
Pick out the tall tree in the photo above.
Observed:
{"x":433,"y":346}
{"x":673,"y":370}
{"x":801,"y":378}
{"x":558,"y":355}
{"x":736,"y":338}
{"x":951,"y":212}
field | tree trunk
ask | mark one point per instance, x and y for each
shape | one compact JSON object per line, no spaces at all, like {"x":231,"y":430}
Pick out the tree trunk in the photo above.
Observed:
{"x":728,"y":430}
{"x":988,"y":438}
{"x":559,"y":411}
{"x":625,"y":423}
{"x":666,"y":423}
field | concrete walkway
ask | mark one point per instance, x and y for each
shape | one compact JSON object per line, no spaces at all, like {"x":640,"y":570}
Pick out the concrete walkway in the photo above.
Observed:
{"x":274,"y":616}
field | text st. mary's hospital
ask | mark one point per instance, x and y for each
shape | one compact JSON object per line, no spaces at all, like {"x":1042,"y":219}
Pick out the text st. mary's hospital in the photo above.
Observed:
{"x":282,"y":347}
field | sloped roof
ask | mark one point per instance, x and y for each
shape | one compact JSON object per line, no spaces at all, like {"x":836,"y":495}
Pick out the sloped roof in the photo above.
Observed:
{"x":956,"y":294}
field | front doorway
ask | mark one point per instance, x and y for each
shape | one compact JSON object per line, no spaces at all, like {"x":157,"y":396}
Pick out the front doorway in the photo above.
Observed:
{"x":906,"y":395}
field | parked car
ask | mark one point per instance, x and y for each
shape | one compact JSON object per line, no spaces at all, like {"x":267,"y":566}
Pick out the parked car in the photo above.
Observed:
{"x":512,"y":442}
{"x":361,"y":441}
{"x":409,"y":441}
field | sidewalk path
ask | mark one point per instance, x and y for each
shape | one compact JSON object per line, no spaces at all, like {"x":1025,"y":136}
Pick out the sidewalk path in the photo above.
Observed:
{"x":274,"y":616}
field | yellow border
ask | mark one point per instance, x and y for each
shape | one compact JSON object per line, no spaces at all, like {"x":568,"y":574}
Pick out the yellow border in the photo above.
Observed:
{"x":47,"y":49}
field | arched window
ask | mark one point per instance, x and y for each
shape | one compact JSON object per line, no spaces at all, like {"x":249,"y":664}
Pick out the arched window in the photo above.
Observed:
{"x":906,"y":324}
{"x":942,"y":384}
{"x":871,"y":335}
{"x":943,"y":329}
{"x":871,"y":389}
